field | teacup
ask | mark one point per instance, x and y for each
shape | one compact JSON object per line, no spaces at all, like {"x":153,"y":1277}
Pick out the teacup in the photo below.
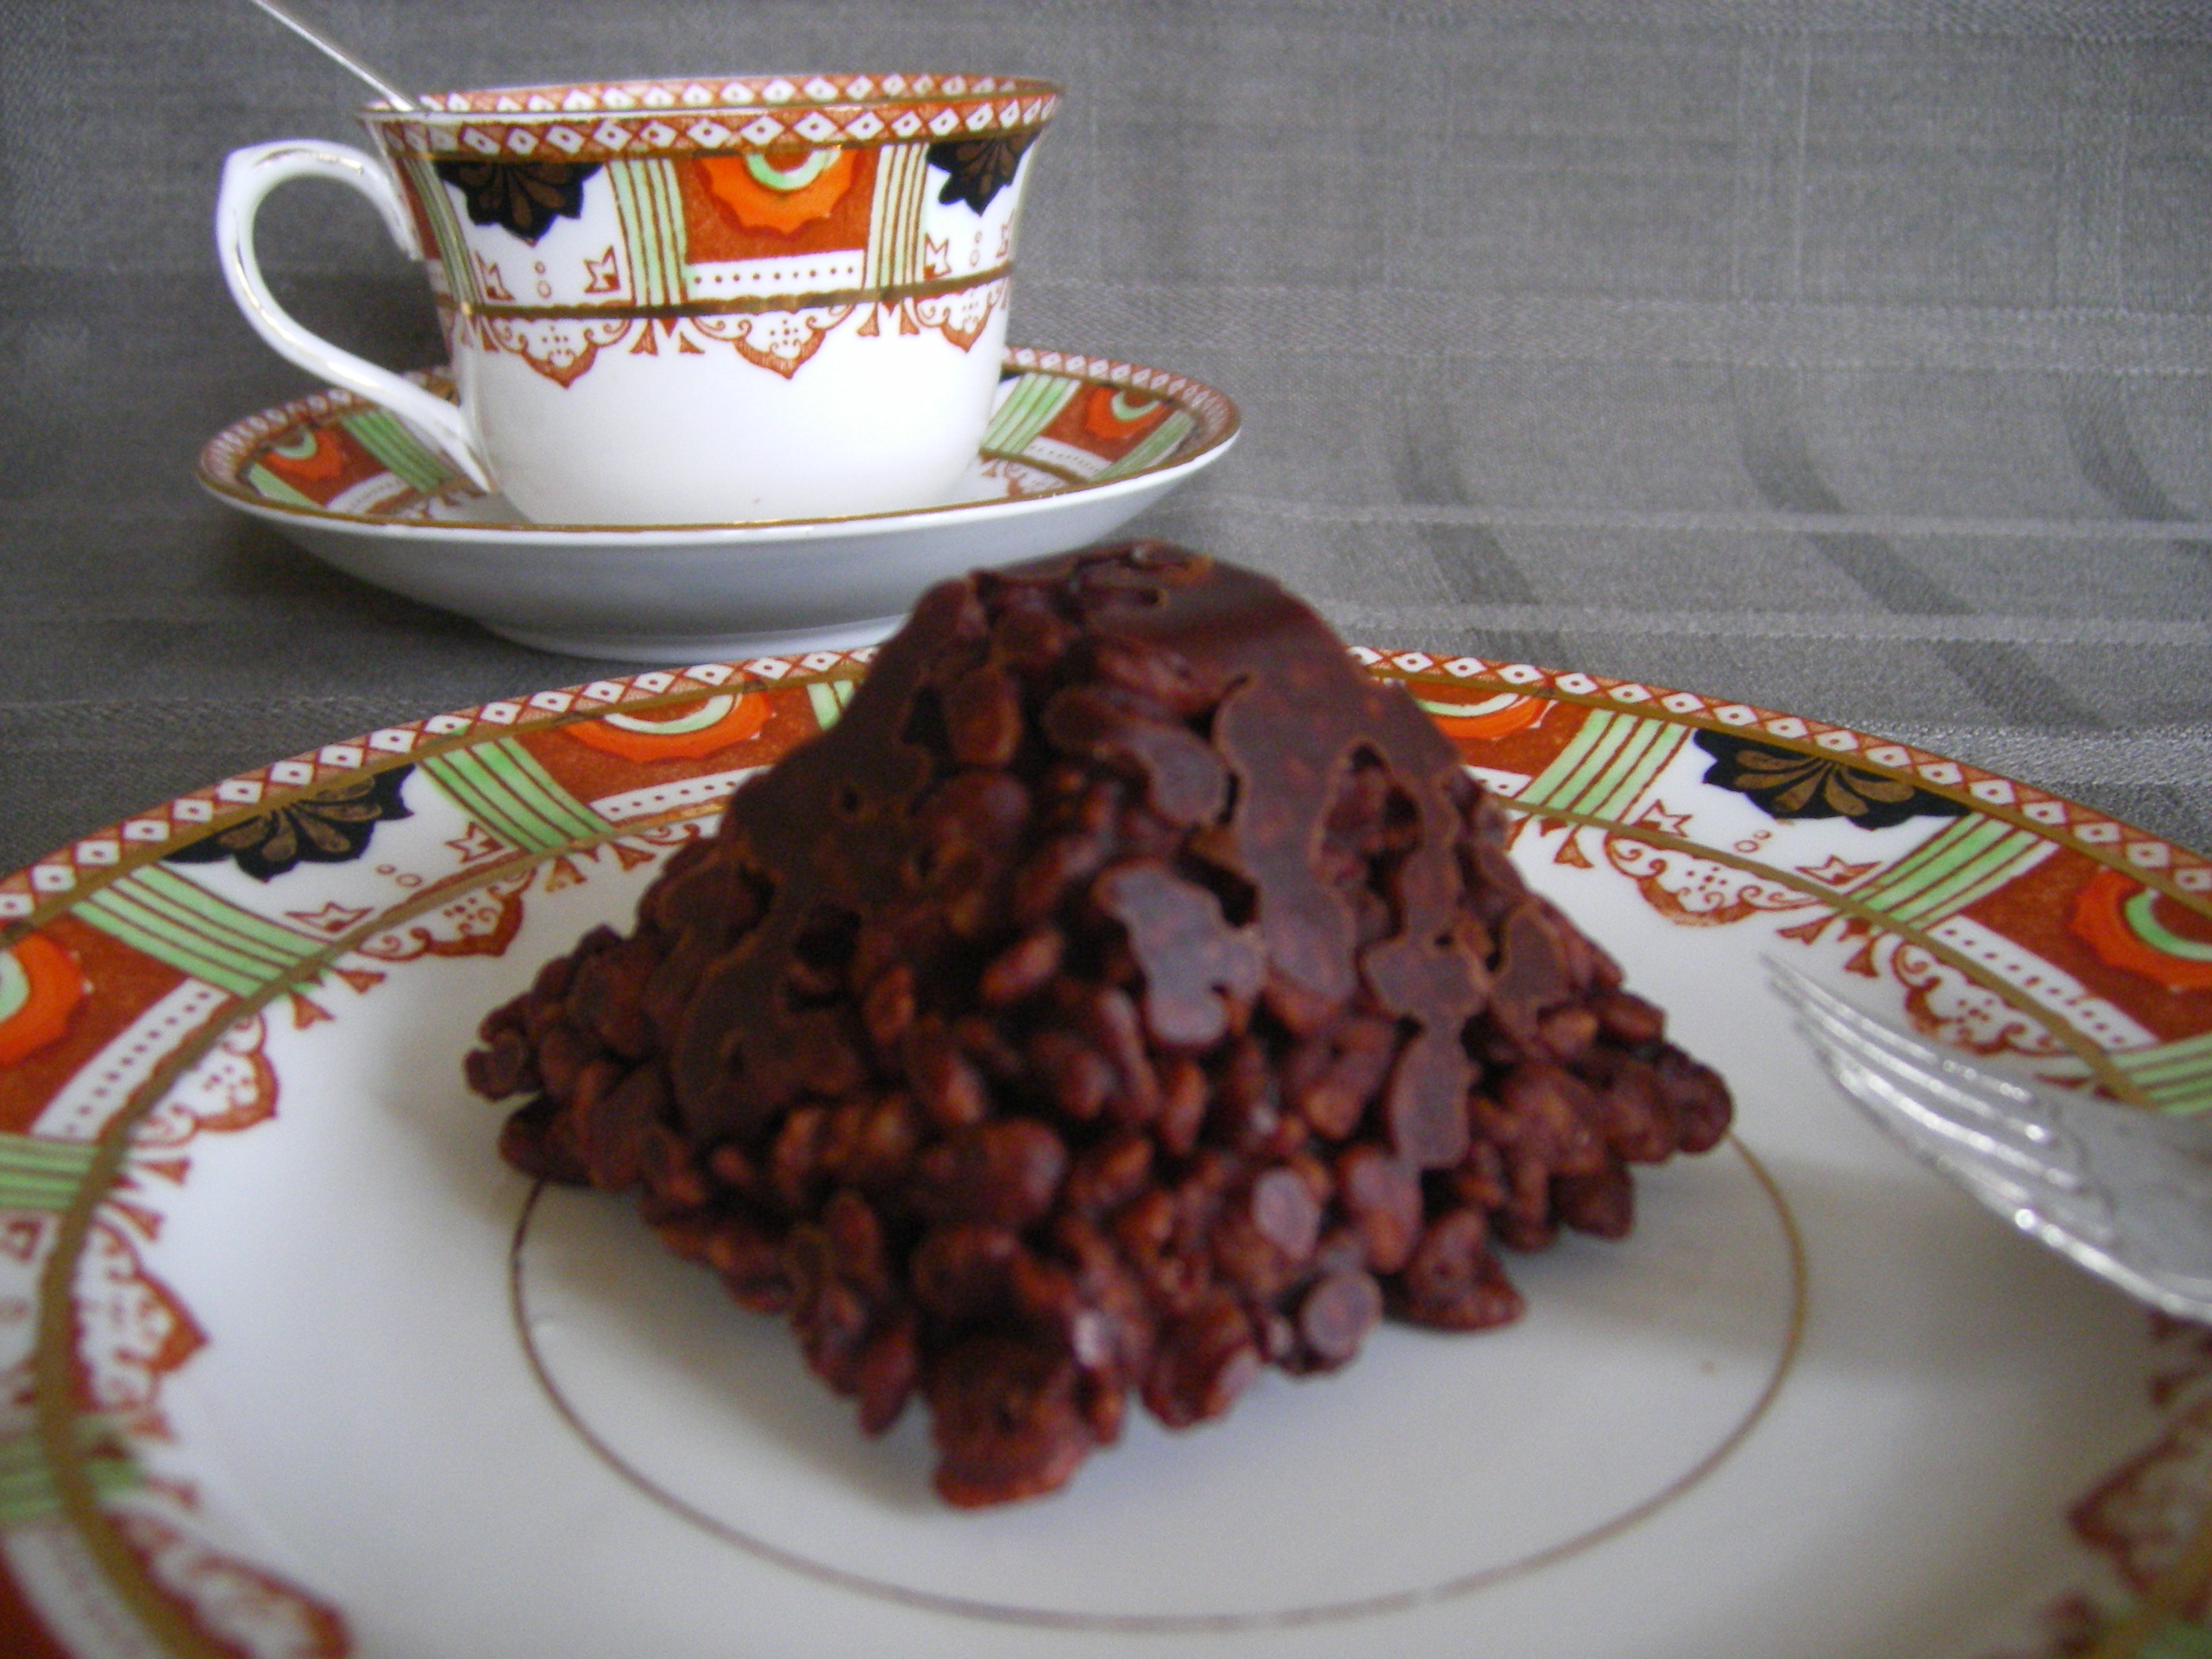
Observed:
{"x":688,"y":301}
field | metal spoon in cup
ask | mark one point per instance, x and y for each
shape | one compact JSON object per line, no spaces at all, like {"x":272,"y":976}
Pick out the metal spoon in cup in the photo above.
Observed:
{"x":339,"y":55}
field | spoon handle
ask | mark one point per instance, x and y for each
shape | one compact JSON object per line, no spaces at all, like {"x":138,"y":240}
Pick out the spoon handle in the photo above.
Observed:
{"x":337,"y":54}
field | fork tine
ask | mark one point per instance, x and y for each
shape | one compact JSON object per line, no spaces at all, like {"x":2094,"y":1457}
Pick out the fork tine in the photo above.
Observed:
{"x":1941,"y":1106}
{"x":2004,"y":1177}
{"x":1942,"y":1098}
{"x":1802,"y":990}
{"x":2027,"y":1197}
{"x":2125,"y":1194}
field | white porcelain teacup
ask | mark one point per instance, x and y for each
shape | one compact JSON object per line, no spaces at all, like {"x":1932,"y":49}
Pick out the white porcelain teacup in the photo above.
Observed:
{"x":688,"y":301}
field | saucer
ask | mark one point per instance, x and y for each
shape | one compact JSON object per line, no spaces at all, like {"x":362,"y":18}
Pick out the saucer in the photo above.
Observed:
{"x":1076,"y":447}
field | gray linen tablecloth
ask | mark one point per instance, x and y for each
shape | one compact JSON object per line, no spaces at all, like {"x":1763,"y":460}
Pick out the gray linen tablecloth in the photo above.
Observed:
{"x":1850,"y":359}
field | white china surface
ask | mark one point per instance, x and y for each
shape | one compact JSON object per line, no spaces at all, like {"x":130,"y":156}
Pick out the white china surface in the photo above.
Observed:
{"x":1817,"y":1405}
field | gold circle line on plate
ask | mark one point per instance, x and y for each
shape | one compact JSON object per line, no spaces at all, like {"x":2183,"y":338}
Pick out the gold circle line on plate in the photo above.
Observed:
{"x":1368,"y":1607}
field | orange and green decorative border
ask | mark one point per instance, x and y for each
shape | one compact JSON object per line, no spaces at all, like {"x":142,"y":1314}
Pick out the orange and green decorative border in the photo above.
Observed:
{"x":134,"y":990}
{"x":599,"y":121}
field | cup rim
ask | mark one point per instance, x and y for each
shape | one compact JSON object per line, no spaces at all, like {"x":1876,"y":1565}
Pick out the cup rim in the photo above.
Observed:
{"x":1015,"y":101}
{"x":590,"y":122}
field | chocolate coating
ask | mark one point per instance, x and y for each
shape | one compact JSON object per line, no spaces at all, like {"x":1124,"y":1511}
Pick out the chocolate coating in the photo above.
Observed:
{"x":1126,"y":994}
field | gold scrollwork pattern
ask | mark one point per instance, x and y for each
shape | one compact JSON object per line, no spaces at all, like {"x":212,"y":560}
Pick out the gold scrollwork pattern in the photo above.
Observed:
{"x":564,"y":348}
{"x":780,"y":341}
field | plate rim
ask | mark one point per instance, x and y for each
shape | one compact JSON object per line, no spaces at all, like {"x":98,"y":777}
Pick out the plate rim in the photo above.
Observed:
{"x":49,"y":885}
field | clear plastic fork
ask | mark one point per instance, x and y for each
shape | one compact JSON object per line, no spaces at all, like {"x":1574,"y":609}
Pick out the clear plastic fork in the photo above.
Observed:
{"x":2125,"y":1193}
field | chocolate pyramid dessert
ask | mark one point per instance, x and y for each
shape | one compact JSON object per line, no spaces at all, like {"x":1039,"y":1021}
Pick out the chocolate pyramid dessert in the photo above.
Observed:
{"x":1126,"y":994}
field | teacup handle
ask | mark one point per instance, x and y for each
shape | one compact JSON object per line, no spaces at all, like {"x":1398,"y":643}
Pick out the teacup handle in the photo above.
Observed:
{"x":248,"y":175}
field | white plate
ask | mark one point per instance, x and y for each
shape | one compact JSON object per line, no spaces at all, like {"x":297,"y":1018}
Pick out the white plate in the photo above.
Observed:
{"x":1078,"y":447}
{"x":301,"y":1367}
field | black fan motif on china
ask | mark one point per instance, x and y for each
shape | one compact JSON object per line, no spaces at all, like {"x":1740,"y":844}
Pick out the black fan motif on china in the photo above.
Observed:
{"x":980,"y":168}
{"x":331,"y":826}
{"x":524,"y":196}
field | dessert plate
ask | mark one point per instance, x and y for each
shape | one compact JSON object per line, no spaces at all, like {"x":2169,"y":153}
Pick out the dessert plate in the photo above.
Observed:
{"x":1078,"y":447}
{"x":295,"y":1365}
